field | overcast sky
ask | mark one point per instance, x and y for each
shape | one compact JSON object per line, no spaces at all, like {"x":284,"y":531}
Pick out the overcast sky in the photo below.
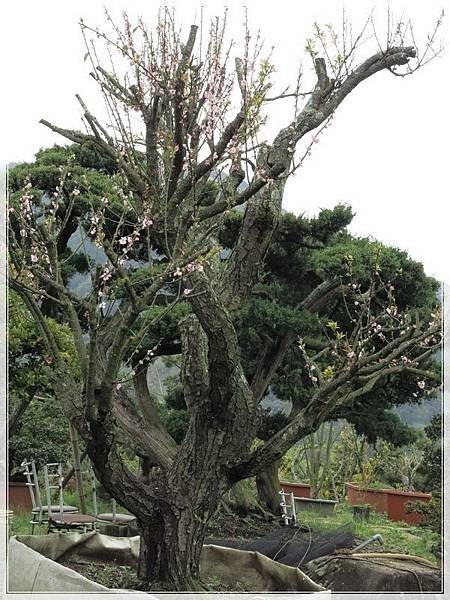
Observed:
{"x":386,"y":154}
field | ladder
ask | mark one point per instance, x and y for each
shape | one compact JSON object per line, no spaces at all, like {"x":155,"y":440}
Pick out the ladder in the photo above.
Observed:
{"x":289,"y":519}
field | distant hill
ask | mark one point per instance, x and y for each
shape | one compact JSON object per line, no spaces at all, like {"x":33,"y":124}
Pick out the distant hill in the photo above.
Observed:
{"x":419,"y":415}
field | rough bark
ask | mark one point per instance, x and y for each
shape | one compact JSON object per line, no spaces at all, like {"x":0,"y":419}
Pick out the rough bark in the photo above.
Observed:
{"x":268,"y":487}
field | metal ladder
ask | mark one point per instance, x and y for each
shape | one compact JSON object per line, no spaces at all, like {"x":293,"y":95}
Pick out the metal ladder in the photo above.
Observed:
{"x":35,"y":495}
{"x":285,"y":508}
{"x":48,"y":486}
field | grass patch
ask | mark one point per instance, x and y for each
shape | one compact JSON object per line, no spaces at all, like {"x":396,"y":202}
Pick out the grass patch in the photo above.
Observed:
{"x":398,"y":536}
{"x":19,"y":524}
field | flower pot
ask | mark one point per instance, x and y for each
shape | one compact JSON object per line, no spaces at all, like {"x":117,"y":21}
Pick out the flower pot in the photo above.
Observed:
{"x":361,"y":513}
{"x":19,"y":496}
{"x":387,"y":500}
{"x":300,"y":490}
{"x":358,"y":495}
{"x":396,"y":505}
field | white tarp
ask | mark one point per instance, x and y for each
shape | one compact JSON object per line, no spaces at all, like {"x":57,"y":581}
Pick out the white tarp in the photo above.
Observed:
{"x":32,"y":566}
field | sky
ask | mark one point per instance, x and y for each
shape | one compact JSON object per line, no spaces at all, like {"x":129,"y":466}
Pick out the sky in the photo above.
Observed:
{"x":386,"y":153}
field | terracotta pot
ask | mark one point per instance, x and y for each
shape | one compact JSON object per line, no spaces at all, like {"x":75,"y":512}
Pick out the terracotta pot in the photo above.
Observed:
{"x":390,"y":501}
{"x":19,"y":496}
{"x":396,"y":505}
{"x":300,"y":490}
{"x":376,"y":498}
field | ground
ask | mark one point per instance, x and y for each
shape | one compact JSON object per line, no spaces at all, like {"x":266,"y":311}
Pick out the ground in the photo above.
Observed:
{"x":398,"y":537}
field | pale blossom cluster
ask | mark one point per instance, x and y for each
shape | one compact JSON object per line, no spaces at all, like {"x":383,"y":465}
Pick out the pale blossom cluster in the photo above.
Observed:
{"x":189,"y":268}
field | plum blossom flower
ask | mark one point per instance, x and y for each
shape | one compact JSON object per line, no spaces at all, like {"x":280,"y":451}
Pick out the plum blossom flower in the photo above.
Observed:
{"x":421,"y":384}
{"x":34,"y":258}
{"x":123,"y":240}
{"x":118,"y":386}
{"x":187,"y":291}
{"x":76,"y":192}
{"x":106,"y":275}
{"x":147,"y":222}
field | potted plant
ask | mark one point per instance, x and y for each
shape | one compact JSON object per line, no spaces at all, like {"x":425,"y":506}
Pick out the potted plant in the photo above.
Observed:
{"x":361,"y":512}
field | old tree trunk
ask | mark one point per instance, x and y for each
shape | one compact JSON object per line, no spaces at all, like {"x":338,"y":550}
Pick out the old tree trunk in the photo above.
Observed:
{"x":183,"y":484}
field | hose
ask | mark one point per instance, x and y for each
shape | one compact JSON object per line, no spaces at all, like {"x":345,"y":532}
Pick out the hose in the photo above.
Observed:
{"x":412,"y":557}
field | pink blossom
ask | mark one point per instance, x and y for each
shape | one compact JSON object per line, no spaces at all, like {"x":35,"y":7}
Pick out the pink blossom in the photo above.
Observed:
{"x":187,"y":291}
{"x":118,"y":386}
{"x":147,"y":222}
{"x":106,"y":275}
{"x":34,"y":258}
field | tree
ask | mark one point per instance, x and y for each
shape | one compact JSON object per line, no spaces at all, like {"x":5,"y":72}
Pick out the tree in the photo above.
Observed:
{"x":36,"y":423}
{"x":273,"y":314}
{"x":431,"y":471}
{"x":431,"y":467}
{"x":162,"y":209}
